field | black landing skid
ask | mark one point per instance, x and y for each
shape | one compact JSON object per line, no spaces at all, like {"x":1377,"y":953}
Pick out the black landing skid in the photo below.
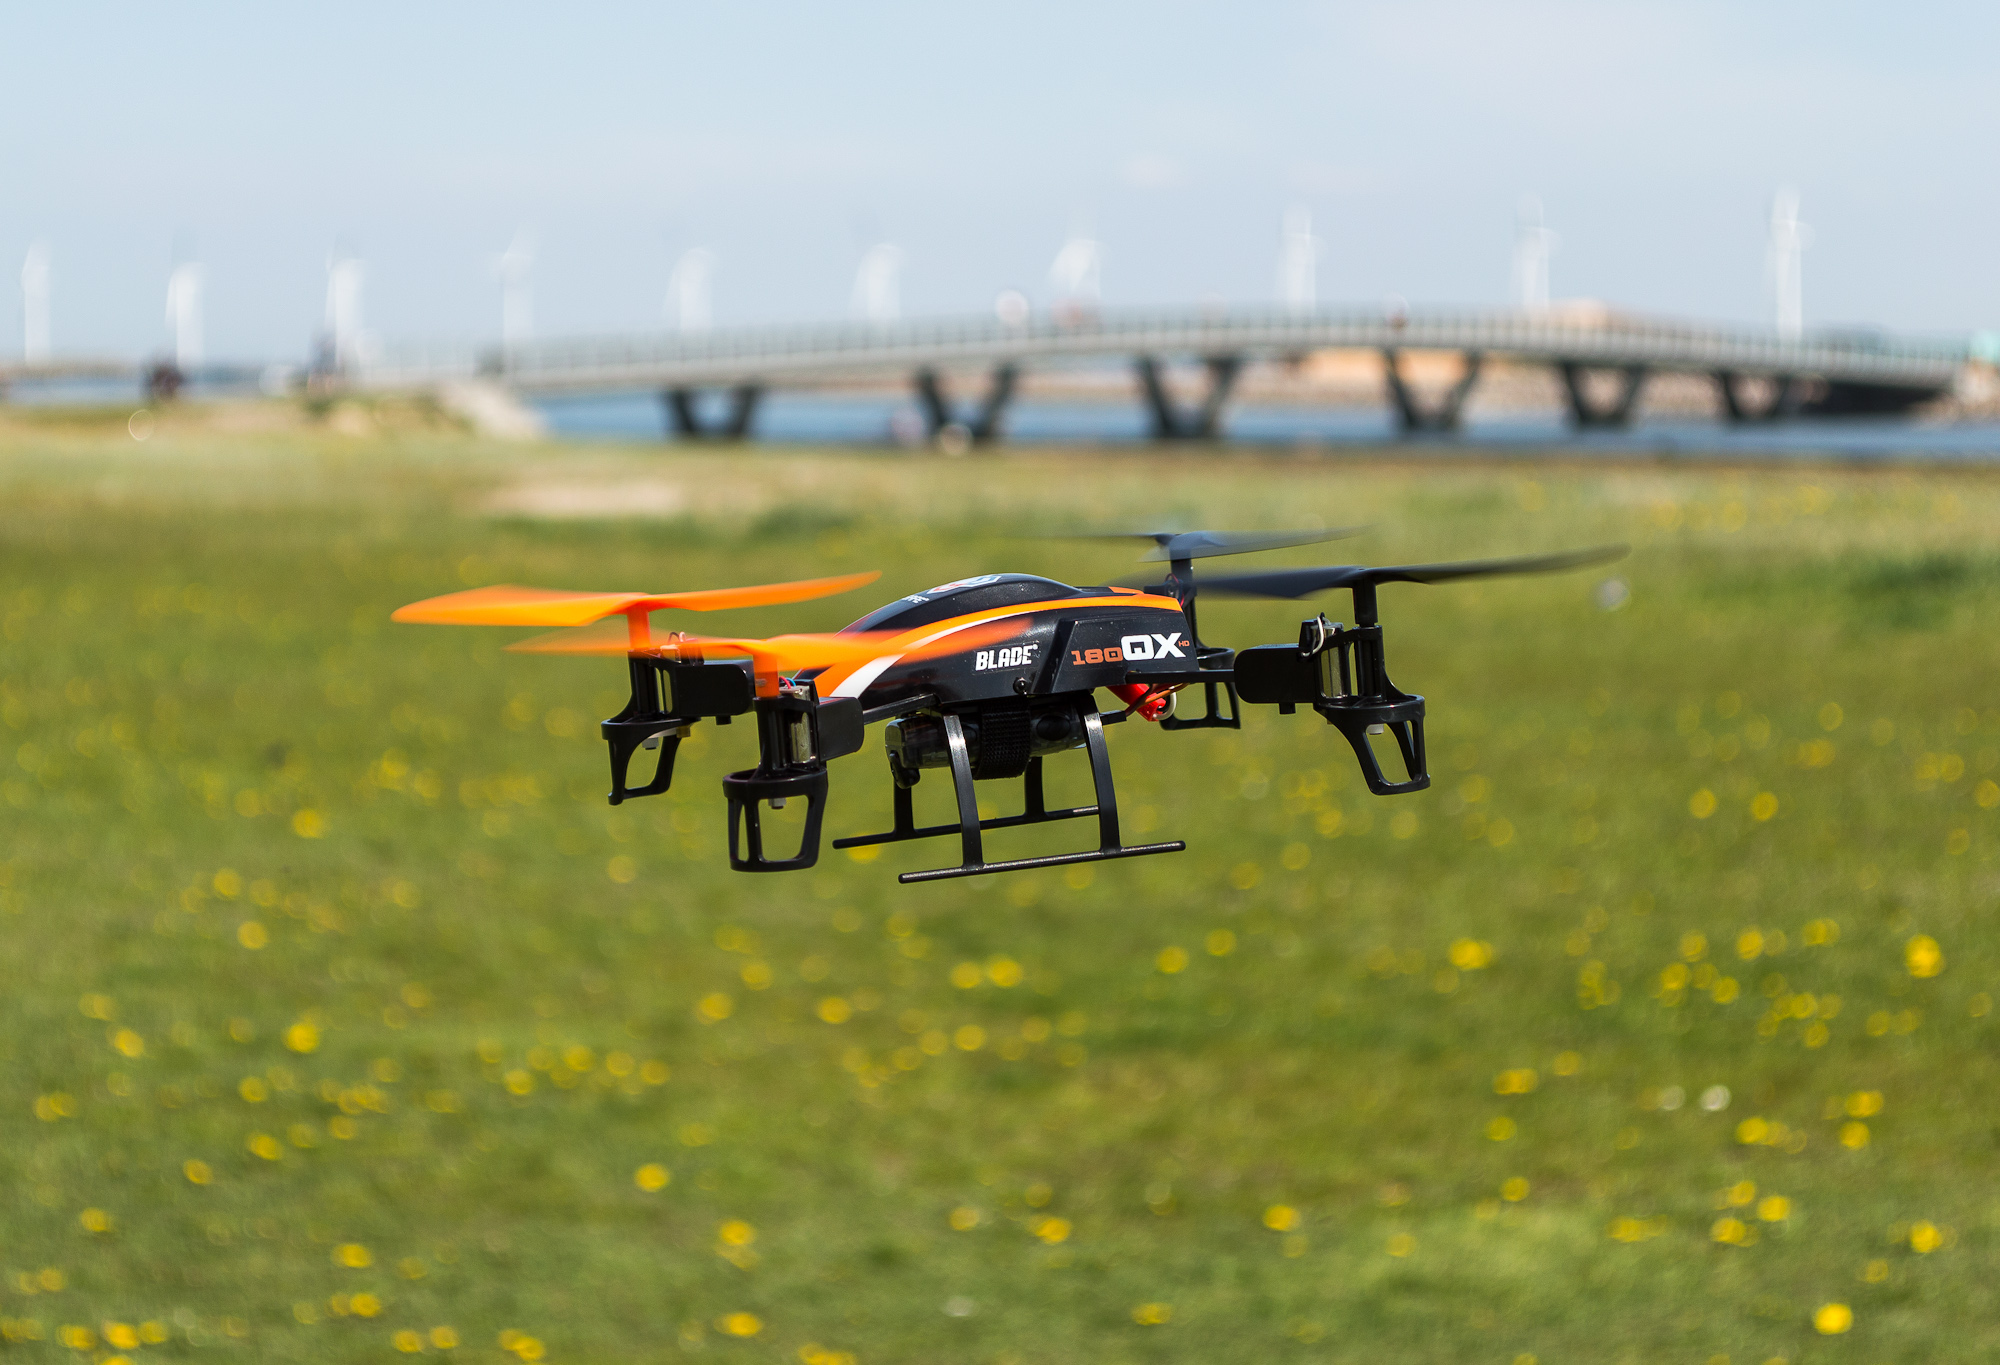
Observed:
{"x":970,"y":827}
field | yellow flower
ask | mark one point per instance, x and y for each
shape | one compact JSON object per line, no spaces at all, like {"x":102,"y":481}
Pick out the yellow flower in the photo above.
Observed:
{"x":1221,"y":943}
{"x":252,"y":935}
{"x":444,"y":1338}
{"x":1469,"y":955}
{"x":1763,"y":806}
{"x":964,"y":1218}
{"x":652,"y":1177}
{"x":966,"y":975}
{"x":835,"y":1010}
{"x":736,"y":1233}
{"x":1519,"y":1081}
{"x":1514,"y":1190}
{"x":1774,"y":1208}
{"x":1741,"y":1193}
{"x":95,"y":1220}
{"x":1702,"y":804}
{"x":408,"y":1342}
{"x":716,"y":1006}
{"x":1864,"y":1104}
{"x":121,"y":1336}
{"x":1171,"y":960}
{"x":1923,"y":956}
{"x":1567,"y":1063}
{"x":1053,"y":1230}
{"x":1153,"y":1314}
{"x":741,"y":1324}
{"x":970,"y":1038}
{"x":365,"y":1305}
{"x":1854,"y":1136}
{"x":129,"y":1043}
{"x":78,"y":1338}
{"x":1281,"y":1218}
{"x":152,"y":1333}
{"x":1730,"y":1231}
{"x":353,"y":1255}
{"x":253,"y":1090}
{"x":264,"y":1145}
{"x":1004,"y":972}
{"x":308,"y":824}
{"x":302,"y":1037}
{"x":1402,"y":1244}
{"x":1832,"y":1319}
{"x":1500,"y":1129}
{"x":1925,"y":1238}
{"x":197,"y":1172}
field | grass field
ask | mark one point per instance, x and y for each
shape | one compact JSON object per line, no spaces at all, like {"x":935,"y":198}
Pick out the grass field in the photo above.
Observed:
{"x":340,"y":1017}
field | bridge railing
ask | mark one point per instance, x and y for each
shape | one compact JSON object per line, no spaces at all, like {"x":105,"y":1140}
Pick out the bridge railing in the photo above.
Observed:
{"x":796,"y":351}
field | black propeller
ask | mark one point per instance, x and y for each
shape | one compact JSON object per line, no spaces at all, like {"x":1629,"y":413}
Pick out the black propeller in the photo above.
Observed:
{"x":1294,"y":583}
{"x":1172,"y":545}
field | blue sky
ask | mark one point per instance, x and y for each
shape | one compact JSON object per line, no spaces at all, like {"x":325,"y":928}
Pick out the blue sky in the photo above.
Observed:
{"x":786,"y":137}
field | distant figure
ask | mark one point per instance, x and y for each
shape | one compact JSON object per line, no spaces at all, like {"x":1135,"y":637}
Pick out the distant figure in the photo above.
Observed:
{"x":164,"y":380}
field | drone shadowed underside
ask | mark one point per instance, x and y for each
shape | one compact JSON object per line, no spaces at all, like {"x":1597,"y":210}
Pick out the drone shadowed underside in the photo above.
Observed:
{"x":982,"y":678}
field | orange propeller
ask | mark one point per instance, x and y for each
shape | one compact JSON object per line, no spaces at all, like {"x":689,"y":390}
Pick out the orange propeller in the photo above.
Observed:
{"x":512,"y":606}
{"x":780,"y":654}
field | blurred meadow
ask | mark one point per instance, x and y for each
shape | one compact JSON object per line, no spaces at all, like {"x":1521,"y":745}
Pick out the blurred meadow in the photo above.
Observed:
{"x":342,"y":1020}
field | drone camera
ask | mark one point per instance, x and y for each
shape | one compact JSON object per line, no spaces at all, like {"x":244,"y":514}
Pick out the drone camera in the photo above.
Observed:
{"x":796,"y":735}
{"x":1339,"y":671}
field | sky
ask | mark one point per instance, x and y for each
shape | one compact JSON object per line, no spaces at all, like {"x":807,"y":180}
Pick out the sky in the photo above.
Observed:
{"x":788,"y":137}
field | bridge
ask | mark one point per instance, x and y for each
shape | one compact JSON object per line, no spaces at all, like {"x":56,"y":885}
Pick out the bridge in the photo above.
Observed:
{"x":1823,"y":374}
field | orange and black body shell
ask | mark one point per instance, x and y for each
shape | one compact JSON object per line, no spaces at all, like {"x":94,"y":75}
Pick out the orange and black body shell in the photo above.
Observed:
{"x":1070,"y":640}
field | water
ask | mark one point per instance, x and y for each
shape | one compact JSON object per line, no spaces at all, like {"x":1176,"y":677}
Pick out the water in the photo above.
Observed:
{"x":884,"y":419}
{"x":887,"y":420}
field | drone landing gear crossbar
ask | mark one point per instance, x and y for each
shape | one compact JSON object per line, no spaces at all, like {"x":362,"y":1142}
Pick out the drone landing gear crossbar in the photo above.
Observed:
{"x":969,"y":827}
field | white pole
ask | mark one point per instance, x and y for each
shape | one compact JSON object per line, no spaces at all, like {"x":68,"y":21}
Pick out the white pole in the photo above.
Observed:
{"x":184,"y":315}
{"x":35,"y":305}
{"x":1531,"y":256}
{"x":1076,"y":273}
{"x":876,"y":295}
{"x":1789,"y":238}
{"x":687,"y":290}
{"x":517,"y":299}
{"x":343,"y":310}
{"x":1298,"y":263}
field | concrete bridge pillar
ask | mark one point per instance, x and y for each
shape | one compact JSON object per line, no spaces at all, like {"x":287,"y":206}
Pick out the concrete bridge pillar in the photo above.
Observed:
{"x":985,"y":424}
{"x":685,"y":421}
{"x":1169,"y":422}
{"x":1583,"y":412}
{"x":1411,"y":417}
{"x":1784,"y":401}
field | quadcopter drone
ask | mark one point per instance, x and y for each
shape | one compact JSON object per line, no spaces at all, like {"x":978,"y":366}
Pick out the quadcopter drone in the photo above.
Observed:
{"x":984,"y":677}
